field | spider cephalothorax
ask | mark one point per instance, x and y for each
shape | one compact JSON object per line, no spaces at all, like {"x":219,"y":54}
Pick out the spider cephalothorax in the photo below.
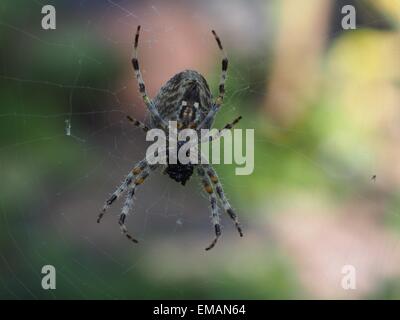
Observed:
{"x":186,"y":99}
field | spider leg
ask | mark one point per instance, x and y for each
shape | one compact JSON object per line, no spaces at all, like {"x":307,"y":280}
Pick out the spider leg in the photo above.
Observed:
{"x":138,"y":123}
{"x":222,"y":80}
{"x":142,"y":87}
{"x":221,"y":87}
{"x":215,"y":216}
{"x":221,"y":131}
{"x":137,"y":169}
{"x":122,"y":217}
{"x":129,"y":200}
{"x":232,"y":124}
{"x":221,"y":195}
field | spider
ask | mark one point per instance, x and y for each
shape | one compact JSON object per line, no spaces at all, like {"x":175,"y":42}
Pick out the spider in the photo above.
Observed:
{"x":185,"y":98}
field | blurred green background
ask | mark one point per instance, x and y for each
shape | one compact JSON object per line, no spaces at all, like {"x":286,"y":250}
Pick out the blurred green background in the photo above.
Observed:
{"x":325,"y":106}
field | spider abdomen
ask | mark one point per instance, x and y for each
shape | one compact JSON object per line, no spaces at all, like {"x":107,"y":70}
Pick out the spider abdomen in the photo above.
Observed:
{"x":179,"y":172}
{"x":187,"y":86}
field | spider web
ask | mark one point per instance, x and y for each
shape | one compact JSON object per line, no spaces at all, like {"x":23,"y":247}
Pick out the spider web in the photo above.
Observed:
{"x":66,"y":145}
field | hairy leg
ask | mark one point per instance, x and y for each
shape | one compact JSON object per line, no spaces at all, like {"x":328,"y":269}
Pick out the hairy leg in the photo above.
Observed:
{"x":215,"y":216}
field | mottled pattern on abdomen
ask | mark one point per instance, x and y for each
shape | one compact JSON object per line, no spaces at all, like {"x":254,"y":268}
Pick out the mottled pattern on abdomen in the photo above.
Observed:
{"x":169,"y":99}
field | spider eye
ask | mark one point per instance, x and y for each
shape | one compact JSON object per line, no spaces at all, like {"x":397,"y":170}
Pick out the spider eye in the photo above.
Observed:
{"x":196,"y":105}
{"x":184,"y":103}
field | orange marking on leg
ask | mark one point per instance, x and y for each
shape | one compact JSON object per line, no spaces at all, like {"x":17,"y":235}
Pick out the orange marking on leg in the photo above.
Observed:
{"x":139,"y":181}
{"x":208,"y":188}
{"x":136,"y":170}
{"x":214,"y":179}
{"x":219,"y":100}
